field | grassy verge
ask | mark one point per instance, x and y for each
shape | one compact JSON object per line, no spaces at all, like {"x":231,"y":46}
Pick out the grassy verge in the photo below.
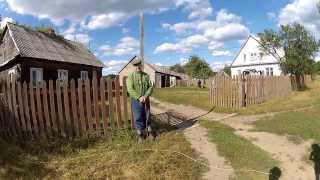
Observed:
{"x":240,"y":152}
{"x":121,"y":158}
{"x":298,"y":126}
{"x":296,"y":100}
{"x":186,"y":96}
{"x":200,"y":98}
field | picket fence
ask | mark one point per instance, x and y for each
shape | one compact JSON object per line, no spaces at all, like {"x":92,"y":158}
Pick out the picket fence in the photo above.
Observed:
{"x":55,"y":109}
{"x":242,"y":91}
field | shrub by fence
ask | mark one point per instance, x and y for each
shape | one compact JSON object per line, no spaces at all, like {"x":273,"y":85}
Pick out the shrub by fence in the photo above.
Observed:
{"x":240,"y":91}
{"x":63,"y":109}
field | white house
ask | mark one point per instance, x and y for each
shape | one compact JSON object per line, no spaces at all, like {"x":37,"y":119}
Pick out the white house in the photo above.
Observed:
{"x":251,"y":60}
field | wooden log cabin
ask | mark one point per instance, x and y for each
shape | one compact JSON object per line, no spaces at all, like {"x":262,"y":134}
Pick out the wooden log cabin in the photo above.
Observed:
{"x":32,"y":56}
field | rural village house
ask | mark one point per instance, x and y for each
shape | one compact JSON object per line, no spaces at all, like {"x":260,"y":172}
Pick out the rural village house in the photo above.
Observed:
{"x":160,"y":76}
{"x":251,"y":60}
{"x":32,"y":56}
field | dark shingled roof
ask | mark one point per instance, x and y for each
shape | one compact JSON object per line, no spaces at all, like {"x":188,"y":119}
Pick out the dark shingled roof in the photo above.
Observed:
{"x":35,"y":44}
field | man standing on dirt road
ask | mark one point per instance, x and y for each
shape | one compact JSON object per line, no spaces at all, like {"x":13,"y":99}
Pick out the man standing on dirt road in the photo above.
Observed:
{"x":140,"y":88}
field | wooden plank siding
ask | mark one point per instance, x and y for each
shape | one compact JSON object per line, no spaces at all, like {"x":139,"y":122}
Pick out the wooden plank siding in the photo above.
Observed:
{"x":71,"y":109}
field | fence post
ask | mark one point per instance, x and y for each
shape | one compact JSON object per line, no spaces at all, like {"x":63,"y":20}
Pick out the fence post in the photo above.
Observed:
{"x":125,"y":101}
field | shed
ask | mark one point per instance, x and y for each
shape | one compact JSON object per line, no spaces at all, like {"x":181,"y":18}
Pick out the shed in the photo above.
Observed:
{"x":160,"y":76}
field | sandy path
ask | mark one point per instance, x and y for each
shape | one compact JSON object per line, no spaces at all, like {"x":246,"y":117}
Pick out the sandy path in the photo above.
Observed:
{"x":198,"y":138}
{"x":289,"y":154}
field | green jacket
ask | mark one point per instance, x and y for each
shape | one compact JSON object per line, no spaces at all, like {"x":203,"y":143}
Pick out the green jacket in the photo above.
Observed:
{"x":139,"y":84}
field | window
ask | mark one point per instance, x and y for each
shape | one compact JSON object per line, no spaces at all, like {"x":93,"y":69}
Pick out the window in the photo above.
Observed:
{"x":62,"y":75}
{"x":253,"y":56}
{"x":244,"y":57}
{"x":84,"y":75}
{"x":12,"y":75}
{"x":271,"y":71}
{"x":239,"y":72}
{"x":36,"y":75}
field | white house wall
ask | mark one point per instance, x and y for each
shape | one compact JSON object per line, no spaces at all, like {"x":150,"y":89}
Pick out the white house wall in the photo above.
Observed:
{"x":251,"y":57}
{"x":263,"y":68}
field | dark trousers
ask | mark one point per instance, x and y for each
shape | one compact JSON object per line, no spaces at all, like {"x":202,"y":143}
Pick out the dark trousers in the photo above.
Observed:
{"x":141,"y":112}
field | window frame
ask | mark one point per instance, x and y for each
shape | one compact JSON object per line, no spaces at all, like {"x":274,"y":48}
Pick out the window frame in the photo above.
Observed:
{"x":59,"y":71}
{"x":39,"y":72}
{"x":81,"y":75}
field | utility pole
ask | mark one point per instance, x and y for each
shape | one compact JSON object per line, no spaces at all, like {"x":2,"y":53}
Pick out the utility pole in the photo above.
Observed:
{"x":142,"y":39}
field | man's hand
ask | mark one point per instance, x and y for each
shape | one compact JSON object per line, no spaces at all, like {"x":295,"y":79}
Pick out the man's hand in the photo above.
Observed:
{"x":142,"y":99}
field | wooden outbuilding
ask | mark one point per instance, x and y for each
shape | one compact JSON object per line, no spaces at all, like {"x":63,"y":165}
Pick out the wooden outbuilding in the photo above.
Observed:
{"x":160,"y":76}
{"x":33,"y":56}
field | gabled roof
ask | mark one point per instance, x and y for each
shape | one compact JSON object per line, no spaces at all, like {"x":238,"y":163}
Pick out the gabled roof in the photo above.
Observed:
{"x":244,"y":45}
{"x":156,"y":68}
{"x":34,"y":44}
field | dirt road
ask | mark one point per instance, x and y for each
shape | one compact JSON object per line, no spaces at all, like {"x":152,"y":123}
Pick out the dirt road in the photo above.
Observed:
{"x":291,"y":156}
{"x":219,"y":169}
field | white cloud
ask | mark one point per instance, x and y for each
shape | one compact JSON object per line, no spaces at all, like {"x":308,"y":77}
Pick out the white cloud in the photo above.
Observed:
{"x":228,"y":32}
{"x":79,"y":37}
{"x":5,"y":20}
{"x":223,"y":17}
{"x":221,"y":53}
{"x":219,"y":65}
{"x":213,"y":45}
{"x":78,"y":10}
{"x":226,"y":27}
{"x":304,"y":12}
{"x":126,"y":46}
{"x":113,"y":66}
{"x":95,"y":14}
{"x":184,"y":45}
{"x":197,"y":8}
{"x":180,"y":27}
{"x":106,"y":20}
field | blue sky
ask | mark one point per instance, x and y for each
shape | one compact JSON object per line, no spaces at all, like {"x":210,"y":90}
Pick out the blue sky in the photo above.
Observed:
{"x":174,"y":29}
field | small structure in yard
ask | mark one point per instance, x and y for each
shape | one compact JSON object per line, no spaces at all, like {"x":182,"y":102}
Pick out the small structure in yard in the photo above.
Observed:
{"x":160,"y":76}
{"x":252,"y":61}
{"x":33,"y":56}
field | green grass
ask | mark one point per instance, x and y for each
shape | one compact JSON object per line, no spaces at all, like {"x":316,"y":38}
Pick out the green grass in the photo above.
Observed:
{"x":187,"y":96}
{"x":200,"y":98}
{"x":296,"y":100}
{"x":298,"y":126}
{"x":241,"y":153}
{"x":121,"y":158}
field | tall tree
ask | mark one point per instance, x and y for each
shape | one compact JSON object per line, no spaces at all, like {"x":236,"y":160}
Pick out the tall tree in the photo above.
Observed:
{"x":227,"y":70}
{"x":198,"y":68}
{"x":299,"y":47}
{"x":177,"y":68}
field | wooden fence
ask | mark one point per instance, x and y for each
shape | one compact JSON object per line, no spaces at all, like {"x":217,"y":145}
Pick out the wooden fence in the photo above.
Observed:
{"x":193,"y":83}
{"x":63,"y":109}
{"x":239,"y":92}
